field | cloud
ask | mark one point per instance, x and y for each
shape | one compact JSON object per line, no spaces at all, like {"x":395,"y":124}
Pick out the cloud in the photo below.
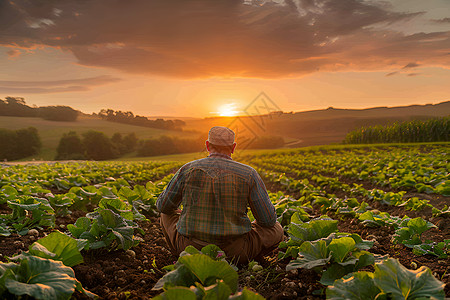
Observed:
{"x":13,"y":53}
{"x":226,"y":38}
{"x":411,"y":65}
{"x":391,"y":73}
{"x":444,"y":20}
{"x":56,"y":86}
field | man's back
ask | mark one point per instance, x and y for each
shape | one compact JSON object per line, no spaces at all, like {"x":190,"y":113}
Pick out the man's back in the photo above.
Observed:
{"x":215,"y":193}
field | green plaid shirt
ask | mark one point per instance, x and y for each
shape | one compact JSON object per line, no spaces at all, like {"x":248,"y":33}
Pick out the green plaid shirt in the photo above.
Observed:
{"x":215,"y":193}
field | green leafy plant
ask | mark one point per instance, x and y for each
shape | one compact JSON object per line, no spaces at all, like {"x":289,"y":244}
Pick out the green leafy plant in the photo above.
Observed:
{"x":58,"y":246}
{"x":300,"y":232}
{"x":441,"y":249}
{"x":61,"y":203}
{"x":410,"y":235}
{"x":203,"y":274}
{"x":444,"y":212}
{"x":333,"y":257}
{"x":104,"y":228}
{"x":200,"y":268}
{"x":28,"y":212}
{"x":390,"y":280}
{"x":39,"y":278}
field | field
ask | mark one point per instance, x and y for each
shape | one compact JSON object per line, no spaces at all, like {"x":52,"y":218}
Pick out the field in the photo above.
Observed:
{"x":374,"y":212}
{"x":51,"y":132}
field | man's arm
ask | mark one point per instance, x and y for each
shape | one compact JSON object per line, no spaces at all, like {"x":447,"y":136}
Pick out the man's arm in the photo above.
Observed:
{"x":169,"y":200}
{"x":260,"y":205}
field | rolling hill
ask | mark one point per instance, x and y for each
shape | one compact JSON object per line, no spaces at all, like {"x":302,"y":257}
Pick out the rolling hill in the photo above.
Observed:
{"x":320,"y":127}
{"x":51,"y":131}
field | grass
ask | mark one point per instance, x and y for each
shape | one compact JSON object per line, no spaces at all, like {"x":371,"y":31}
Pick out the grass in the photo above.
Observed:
{"x":51,"y":132}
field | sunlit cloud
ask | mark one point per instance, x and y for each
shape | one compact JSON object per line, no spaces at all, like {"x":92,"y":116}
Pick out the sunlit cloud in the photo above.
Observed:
{"x":226,"y":38}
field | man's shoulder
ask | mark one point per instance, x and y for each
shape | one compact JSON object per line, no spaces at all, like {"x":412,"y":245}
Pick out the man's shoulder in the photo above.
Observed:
{"x":221,"y":163}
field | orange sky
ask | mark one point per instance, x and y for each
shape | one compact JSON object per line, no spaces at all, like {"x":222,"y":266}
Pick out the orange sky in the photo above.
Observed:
{"x":191,"y":57}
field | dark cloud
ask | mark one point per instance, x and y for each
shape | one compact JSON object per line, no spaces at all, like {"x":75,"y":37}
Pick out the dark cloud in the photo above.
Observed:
{"x":391,"y":73}
{"x":411,"y":65}
{"x":204,"y":38}
{"x":444,"y":20}
{"x":413,"y":74}
{"x":56,"y":86}
{"x":13,"y":53}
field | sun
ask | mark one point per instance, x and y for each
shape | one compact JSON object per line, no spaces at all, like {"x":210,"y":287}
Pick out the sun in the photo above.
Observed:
{"x":228,"y":110}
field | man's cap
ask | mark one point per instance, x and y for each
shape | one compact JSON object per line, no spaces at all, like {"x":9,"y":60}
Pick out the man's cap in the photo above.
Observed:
{"x":221,"y":136}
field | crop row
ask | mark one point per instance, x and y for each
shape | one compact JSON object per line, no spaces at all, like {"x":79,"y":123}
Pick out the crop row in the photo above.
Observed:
{"x":423,"y":169}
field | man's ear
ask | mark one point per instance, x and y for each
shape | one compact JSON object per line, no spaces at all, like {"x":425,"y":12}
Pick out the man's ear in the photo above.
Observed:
{"x":234,"y":147}
{"x":207,"y":146}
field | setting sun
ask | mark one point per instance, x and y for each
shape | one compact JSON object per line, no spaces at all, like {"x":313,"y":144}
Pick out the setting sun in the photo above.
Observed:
{"x":228,"y":110}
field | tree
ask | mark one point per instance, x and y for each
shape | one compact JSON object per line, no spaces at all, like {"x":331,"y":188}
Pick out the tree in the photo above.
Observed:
{"x":130,"y":141}
{"x":16,"y":144}
{"x":70,"y":147}
{"x":58,"y":113}
{"x":98,"y":146}
{"x":16,"y":106}
{"x":28,"y":142}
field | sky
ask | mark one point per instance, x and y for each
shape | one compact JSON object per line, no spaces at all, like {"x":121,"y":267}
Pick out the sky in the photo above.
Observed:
{"x":203,"y":58}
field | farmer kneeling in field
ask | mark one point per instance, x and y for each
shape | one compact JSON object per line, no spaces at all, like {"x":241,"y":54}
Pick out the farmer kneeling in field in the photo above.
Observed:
{"x":215,"y":193}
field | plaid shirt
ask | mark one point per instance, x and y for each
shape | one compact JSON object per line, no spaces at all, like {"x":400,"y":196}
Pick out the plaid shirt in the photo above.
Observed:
{"x":215,"y":193}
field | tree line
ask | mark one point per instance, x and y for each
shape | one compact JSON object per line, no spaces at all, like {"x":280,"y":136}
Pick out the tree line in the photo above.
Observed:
{"x":97,"y":146}
{"x":416,"y":131}
{"x":16,"y":107}
{"x":129,"y":118}
{"x":94,"y":145}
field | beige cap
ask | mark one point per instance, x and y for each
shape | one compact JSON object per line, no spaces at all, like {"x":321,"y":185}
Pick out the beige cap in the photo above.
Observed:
{"x":221,"y":136}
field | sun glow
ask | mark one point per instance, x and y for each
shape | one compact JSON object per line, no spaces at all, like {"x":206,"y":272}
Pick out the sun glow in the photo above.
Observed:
{"x":228,"y":110}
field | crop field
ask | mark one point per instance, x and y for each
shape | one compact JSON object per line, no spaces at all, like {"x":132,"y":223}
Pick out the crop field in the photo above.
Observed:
{"x":360,"y":222}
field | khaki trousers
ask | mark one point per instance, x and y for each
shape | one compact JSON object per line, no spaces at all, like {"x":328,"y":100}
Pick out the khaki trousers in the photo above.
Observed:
{"x":259,"y":241}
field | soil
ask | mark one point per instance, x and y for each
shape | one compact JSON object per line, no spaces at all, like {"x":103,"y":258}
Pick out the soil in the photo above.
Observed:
{"x":122,"y":275}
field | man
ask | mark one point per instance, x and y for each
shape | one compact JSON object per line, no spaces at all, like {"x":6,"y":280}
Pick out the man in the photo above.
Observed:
{"x":215,"y":193}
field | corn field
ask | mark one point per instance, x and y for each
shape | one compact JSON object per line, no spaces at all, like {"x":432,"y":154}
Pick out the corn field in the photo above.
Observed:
{"x":416,"y":131}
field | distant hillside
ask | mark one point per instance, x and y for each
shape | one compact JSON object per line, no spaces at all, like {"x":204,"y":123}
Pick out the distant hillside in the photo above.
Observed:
{"x":52,"y":131}
{"x":438,"y":110}
{"x":320,"y":127}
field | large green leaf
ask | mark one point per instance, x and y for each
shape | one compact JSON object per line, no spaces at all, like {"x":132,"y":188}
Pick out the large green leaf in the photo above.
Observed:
{"x":358,"y":287}
{"x":392,"y":277}
{"x":58,"y":246}
{"x":311,"y":231}
{"x":340,"y":248}
{"x":81,"y":225}
{"x":208,"y":271}
{"x":39,"y":278}
{"x":181,"y":276}
{"x":218,"y":291}
{"x":177,"y":293}
{"x":313,"y":254}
